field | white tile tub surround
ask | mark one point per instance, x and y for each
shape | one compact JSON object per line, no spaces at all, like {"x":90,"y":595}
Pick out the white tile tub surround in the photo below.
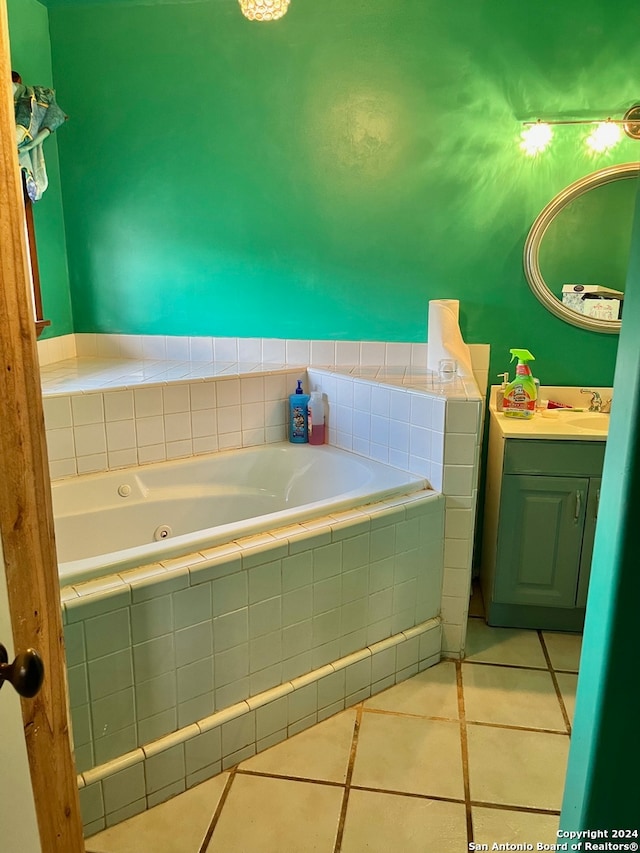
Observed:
{"x":437,"y":437}
{"x":186,"y":354}
{"x":51,"y":350}
{"x":392,"y":412}
{"x":108,"y":429}
{"x":195,"y":664}
{"x":208,"y":414}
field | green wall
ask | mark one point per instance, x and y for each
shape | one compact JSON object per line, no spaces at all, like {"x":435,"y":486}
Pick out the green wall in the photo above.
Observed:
{"x":31,"y":57}
{"x":326,"y":175}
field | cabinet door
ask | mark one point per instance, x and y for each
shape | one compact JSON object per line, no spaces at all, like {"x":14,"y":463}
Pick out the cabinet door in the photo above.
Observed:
{"x":591,"y":516}
{"x":540,"y":540}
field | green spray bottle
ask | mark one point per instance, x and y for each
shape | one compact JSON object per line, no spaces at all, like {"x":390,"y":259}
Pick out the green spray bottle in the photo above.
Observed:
{"x":520,"y":395}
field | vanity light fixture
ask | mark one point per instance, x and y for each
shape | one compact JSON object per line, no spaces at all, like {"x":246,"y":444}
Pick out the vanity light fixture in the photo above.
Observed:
{"x":605,"y":135}
{"x":264,"y":10}
{"x":535,"y":138}
{"x":606,"y":132}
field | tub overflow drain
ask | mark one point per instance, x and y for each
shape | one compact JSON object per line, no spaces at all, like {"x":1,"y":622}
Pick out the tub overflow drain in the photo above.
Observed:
{"x":124,"y":490}
{"x":162,"y":532}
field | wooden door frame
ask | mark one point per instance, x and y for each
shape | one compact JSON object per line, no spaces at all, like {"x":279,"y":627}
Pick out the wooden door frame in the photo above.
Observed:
{"x":26,"y":517}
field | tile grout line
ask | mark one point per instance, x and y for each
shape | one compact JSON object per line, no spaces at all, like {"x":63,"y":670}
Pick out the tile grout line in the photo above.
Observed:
{"x":506,"y":665}
{"x":403,"y":714}
{"x":510,"y":807}
{"x":216,"y":815}
{"x":384,"y":712}
{"x":394,"y":793}
{"x":264,"y":775}
{"x":464,"y":747}
{"x":410,"y":794}
{"x":554,"y":678}
{"x":347,"y":783}
{"x":516,"y":728}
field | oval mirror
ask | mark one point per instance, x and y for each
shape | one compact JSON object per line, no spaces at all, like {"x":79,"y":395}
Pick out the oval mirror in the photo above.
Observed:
{"x":587,"y":237}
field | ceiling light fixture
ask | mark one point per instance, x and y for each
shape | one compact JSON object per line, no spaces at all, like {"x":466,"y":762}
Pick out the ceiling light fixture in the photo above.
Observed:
{"x":264,"y":10}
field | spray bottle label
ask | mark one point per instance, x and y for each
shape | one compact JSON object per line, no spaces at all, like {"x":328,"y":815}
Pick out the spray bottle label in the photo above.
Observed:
{"x":518,"y":400}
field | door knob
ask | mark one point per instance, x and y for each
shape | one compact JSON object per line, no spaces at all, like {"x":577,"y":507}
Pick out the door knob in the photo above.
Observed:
{"x":26,"y":673}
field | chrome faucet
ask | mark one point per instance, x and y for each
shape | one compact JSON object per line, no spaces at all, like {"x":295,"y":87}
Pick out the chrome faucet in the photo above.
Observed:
{"x":596,"y":400}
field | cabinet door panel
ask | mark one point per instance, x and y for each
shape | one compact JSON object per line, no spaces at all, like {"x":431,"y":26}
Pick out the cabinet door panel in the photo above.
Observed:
{"x":540,"y":539}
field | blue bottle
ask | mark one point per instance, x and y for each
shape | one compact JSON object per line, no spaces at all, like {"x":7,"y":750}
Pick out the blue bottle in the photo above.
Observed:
{"x":299,"y":416}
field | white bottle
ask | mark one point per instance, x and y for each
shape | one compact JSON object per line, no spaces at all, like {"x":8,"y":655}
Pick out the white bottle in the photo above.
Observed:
{"x":316,"y":418}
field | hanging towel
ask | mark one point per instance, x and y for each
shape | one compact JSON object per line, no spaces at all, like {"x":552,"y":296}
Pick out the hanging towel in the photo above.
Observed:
{"x":37,"y":115}
{"x":444,"y":339}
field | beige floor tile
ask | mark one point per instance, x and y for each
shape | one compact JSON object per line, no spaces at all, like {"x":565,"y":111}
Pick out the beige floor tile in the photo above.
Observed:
{"x":432,"y":693}
{"x":568,"y":682}
{"x":277,"y":816}
{"x":500,"y":826}
{"x":409,"y":754}
{"x":321,"y":752}
{"x":510,"y":696}
{"x":517,"y":768}
{"x":564,"y":650}
{"x":177,"y":826}
{"x":386,"y":823}
{"x":514,"y":646}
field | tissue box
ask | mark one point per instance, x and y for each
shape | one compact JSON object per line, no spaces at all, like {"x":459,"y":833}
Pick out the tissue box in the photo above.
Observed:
{"x":602,"y":309}
{"x":594,"y":300}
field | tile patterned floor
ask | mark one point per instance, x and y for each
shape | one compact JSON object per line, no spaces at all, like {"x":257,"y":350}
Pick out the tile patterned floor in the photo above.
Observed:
{"x":465,"y":751}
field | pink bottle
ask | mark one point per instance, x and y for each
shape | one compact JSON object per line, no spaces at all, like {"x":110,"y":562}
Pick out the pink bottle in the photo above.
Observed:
{"x":316,"y":418}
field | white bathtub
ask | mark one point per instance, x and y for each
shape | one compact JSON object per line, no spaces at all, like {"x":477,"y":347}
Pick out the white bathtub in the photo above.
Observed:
{"x":111,"y":521}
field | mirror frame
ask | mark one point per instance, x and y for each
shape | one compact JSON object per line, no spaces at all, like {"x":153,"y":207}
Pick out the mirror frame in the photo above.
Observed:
{"x":532,"y":246}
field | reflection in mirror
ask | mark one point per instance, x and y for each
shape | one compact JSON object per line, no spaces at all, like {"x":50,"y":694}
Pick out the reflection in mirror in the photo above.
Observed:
{"x":589,"y":240}
{"x":587,"y":236}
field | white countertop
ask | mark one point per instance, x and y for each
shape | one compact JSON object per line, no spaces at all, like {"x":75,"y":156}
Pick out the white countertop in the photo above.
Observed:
{"x":569,"y":425}
{"x":561,"y":426}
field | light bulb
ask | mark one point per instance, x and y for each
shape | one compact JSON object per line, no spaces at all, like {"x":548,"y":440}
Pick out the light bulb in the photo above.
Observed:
{"x":536,"y":138}
{"x":605,"y":135}
{"x":263,"y":10}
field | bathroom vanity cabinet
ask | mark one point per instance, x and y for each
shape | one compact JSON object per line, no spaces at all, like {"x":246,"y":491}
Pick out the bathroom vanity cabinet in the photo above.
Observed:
{"x":540,"y":515}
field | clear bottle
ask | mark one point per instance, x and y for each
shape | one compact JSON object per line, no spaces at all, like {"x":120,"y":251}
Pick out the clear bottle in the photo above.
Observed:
{"x":316,"y":418}
{"x":299,"y":416}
